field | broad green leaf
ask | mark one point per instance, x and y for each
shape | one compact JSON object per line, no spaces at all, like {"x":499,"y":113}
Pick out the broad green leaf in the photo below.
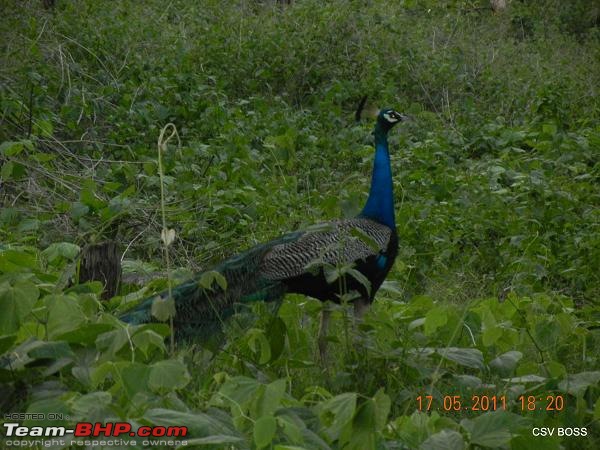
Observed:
{"x":468,"y":357}
{"x":237,"y":392}
{"x":382,"y":405}
{"x":358,"y":276}
{"x":7,"y":170}
{"x":163,"y":309}
{"x":168,"y":375}
{"x":64,"y":314}
{"x":61,"y":249}
{"x":112,"y":341}
{"x":6,"y":342}
{"x":88,"y":196}
{"x":53,"y":406}
{"x":491,"y":335}
{"x":416,"y":323}
{"x":276,"y":332}
{"x":258,"y":343}
{"x":332,"y":273}
{"x":28,"y":225}
{"x":393,"y":287}
{"x":271,"y":398}
{"x":18,"y":357}
{"x":467,"y":381}
{"x":547,"y":333}
{"x":100,"y":372}
{"x":209,"y":277}
{"x":435,"y":318}
{"x":159,"y":328}
{"x":18,"y":171}
{"x":578,"y":383}
{"x":526,"y":379}
{"x":444,"y":440}
{"x":78,"y":210}
{"x":336,"y":412}
{"x":93,"y":406}
{"x":16,"y":302}
{"x":360,"y":433}
{"x":43,"y":157}
{"x":290,"y":428}
{"x":556,"y":369}
{"x":413,"y":430}
{"x":43,"y":127}
{"x":530,"y":442}
{"x":133,"y":378}
{"x":200,"y":425}
{"x":11,"y":148}
{"x":148,"y":339}
{"x":506,"y":363}
{"x":17,"y":260}
{"x":264,"y":431}
{"x":221,"y":281}
{"x":85,"y":334}
{"x":489,"y":430}
{"x":150,"y":167}
{"x":51,"y":350}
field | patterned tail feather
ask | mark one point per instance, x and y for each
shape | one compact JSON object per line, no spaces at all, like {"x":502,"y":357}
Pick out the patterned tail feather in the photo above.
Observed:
{"x":201,"y":311}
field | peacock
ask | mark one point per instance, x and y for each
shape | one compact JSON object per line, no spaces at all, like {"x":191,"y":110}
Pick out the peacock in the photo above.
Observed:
{"x":298,"y":262}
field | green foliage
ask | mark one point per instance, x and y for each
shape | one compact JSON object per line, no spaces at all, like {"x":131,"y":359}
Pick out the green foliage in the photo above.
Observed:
{"x":496,"y":184}
{"x":264,"y":389}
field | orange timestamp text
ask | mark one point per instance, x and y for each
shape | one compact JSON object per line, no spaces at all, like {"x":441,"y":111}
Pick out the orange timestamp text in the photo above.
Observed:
{"x":485,"y":402}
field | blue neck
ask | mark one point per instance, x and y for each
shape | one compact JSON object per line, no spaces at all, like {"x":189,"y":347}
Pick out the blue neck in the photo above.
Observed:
{"x":380,"y":205}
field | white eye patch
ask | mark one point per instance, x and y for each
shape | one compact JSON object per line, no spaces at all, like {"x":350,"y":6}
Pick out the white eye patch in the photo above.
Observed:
{"x":390,"y":118}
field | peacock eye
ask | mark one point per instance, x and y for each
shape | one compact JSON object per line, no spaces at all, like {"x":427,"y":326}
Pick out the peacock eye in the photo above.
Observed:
{"x":391,"y":117}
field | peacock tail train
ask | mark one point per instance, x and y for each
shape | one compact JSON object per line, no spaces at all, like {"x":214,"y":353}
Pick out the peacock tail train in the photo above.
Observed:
{"x":198,"y":309}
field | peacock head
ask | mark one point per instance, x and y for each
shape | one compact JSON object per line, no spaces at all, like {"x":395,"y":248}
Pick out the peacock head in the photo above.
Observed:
{"x":388,"y":117}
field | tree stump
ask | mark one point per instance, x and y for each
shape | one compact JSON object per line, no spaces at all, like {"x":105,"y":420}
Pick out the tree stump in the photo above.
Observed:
{"x":101,"y":262}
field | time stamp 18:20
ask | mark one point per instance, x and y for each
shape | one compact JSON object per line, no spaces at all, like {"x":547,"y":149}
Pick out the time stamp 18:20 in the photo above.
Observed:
{"x":491,"y":403}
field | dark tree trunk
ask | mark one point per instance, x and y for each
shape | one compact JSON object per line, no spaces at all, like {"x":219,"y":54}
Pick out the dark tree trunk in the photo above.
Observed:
{"x":101,"y":262}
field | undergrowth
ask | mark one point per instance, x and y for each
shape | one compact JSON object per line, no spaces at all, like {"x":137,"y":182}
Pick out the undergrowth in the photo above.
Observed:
{"x":495,"y":290}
